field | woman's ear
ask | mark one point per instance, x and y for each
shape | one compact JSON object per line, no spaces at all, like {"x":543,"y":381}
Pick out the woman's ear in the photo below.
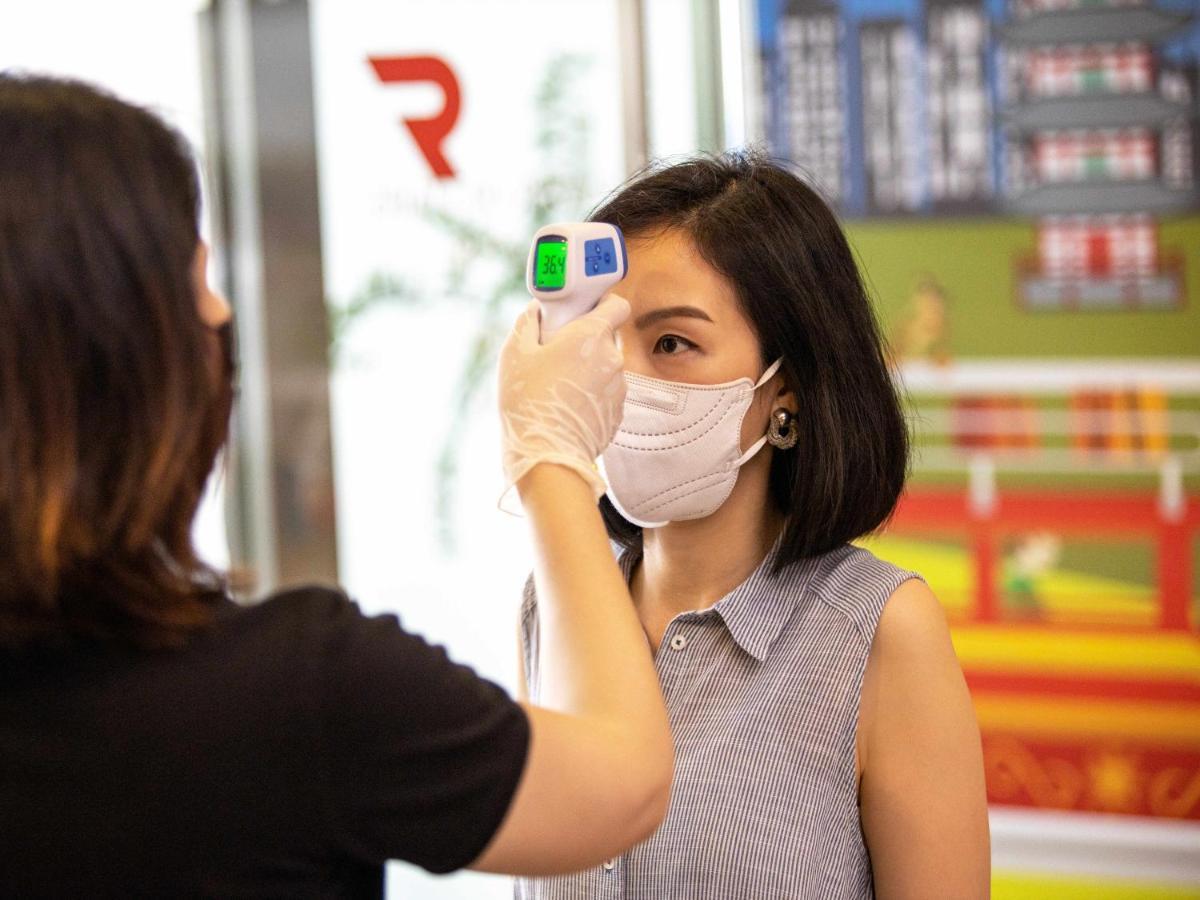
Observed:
{"x":783,"y":396}
{"x":214,"y":309}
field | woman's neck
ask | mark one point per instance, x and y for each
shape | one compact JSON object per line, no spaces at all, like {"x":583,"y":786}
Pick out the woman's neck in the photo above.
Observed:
{"x":691,"y":565}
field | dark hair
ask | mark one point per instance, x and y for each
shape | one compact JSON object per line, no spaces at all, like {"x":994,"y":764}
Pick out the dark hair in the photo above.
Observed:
{"x":783,"y":251}
{"x":113,"y":405}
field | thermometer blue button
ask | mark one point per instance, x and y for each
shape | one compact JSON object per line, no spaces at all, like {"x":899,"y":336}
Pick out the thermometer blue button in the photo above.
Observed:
{"x":599,"y":256}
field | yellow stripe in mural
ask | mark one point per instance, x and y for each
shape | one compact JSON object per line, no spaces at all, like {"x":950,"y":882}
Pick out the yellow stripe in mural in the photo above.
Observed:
{"x":1144,"y":656}
{"x":1019,"y":886}
{"x":1177,"y":724}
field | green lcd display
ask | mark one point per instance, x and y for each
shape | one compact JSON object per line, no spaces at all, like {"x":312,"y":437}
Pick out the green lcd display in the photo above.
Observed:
{"x":551,"y":265}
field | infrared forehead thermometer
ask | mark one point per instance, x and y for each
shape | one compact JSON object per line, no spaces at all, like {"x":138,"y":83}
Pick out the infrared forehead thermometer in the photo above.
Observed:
{"x":571,"y":265}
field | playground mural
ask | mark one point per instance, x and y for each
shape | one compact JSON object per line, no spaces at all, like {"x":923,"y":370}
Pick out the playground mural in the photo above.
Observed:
{"x":1019,"y":180}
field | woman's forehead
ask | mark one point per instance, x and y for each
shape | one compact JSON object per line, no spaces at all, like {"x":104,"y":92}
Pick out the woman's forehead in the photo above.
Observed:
{"x":666,"y":269}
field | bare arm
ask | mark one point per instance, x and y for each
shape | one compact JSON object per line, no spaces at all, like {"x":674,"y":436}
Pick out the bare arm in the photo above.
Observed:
{"x":924,"y":806}
{"x":598,"y":774}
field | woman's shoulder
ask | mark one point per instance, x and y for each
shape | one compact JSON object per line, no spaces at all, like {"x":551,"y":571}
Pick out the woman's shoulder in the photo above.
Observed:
{"x":321,"y":634}
{"x":311,"y":625}
{"x":853,"y":563}
{"x":310,"y":608}
{"x":858,"y":585}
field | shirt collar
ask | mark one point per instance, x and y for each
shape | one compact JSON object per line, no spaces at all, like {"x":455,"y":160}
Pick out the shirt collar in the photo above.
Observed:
{"x":755,"y":611}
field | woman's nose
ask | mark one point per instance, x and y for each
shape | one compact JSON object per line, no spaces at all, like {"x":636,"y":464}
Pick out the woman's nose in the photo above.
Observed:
{"x":214,"y":308}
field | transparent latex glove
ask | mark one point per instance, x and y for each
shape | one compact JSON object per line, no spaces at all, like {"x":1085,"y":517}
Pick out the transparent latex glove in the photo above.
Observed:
{"x":561,"y":402}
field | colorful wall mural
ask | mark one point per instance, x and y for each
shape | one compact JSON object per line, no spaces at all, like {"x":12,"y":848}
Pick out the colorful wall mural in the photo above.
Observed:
{"x":1020,"y":183}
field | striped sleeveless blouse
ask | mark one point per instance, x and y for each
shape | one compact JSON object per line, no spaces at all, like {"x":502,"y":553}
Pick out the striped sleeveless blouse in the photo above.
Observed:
{"x":763,"y":692}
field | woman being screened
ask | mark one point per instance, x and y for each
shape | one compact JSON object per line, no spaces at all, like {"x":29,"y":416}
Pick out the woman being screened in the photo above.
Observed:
{"x":825,"y":743}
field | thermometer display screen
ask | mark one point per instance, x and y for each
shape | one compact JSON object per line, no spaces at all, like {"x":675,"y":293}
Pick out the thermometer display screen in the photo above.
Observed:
{"x":551,"y":263}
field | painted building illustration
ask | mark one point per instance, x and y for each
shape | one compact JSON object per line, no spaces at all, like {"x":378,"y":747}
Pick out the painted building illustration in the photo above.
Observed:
{"x":1099,"y":141}
{"x":1020,"y":180}
{"x":1066,"y":111}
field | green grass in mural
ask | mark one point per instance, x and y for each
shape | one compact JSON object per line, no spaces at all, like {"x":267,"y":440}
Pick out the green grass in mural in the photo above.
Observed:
{"x":1070,"y":591}
{"x":1126,"y":560}
{"x":974,"y":261}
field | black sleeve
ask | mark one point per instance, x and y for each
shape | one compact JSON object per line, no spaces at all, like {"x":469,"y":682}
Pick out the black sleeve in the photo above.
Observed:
{"x":422,"y":756}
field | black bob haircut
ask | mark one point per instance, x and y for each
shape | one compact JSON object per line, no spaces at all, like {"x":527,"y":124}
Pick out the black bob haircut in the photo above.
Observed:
{"x":795,"y":276}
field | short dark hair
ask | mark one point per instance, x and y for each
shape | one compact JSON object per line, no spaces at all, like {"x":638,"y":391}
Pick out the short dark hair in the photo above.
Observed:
{"x":782,"y":249}
{"x":112,"y":408}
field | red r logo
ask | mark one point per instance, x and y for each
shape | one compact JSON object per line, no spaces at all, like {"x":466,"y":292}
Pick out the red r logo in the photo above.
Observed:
{"x":428,"y":133}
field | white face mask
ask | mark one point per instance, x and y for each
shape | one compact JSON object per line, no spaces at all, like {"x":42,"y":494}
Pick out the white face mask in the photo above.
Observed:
{"x":677,"y":453}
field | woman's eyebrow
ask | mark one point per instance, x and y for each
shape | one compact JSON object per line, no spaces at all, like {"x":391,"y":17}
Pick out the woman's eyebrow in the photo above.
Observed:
{"x":670,"y":312}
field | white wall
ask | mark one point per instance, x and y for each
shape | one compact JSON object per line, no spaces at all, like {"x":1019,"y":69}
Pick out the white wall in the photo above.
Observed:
{"x":395,"y":388}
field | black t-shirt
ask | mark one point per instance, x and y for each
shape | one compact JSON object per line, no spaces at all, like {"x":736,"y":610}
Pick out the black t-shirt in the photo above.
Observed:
{"x":287,"y":752}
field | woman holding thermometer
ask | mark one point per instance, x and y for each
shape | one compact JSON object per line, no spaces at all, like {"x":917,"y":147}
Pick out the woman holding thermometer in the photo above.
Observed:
{"x":158,"y":739}
{"x":826,"y":746}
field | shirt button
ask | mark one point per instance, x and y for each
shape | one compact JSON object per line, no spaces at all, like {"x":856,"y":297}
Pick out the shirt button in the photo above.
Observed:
{"x":609,"y":865}
{"x":678,"y":642}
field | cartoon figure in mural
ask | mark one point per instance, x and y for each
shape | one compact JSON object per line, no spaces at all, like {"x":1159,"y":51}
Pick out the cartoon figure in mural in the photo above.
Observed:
{"x":1025,"y":570}
{"x":922,"y":332}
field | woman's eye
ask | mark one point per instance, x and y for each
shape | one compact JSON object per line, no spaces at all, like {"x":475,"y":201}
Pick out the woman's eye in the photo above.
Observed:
{"x":672,"y":344}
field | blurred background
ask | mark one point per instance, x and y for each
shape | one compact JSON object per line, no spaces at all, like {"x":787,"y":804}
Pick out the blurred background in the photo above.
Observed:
{"x":1019,"y":180}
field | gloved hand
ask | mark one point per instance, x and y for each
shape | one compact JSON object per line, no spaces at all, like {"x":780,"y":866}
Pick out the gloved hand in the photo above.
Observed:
{"x":562,"y":402}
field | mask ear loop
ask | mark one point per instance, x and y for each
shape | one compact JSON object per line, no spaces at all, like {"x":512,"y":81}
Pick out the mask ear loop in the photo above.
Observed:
{"x":766,"y":376}
{"x":758,"y":445}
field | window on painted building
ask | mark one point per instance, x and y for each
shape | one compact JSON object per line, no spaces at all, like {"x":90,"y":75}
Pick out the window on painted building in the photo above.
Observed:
{"x":1098,"y":247}
{"x":1112,"y":154}
{"x":1070,"y":71}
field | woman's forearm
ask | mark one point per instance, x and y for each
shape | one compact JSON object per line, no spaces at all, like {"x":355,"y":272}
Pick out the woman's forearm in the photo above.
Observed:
{"x":594,"y":659}
{"x":599,"y":770}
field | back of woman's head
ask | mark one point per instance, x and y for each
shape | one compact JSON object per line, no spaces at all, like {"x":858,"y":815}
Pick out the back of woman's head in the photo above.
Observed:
{"x":112,"y":405}
{"x":783,"y":251}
